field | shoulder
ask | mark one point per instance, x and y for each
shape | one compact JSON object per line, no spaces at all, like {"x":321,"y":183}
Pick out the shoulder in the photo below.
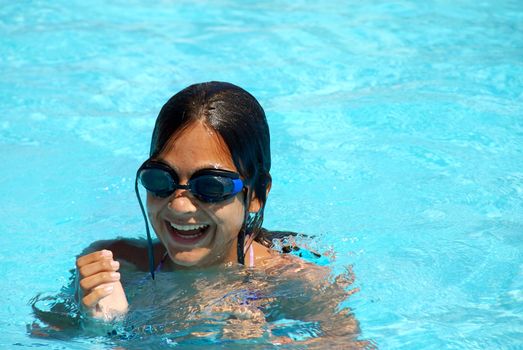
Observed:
{"x":125,"y":250}
{"x":293,"y":267}
{"x":117,"y":246}
{"x":267,"y":237}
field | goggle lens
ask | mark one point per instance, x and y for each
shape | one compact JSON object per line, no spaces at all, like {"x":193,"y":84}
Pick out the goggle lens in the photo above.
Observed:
{"x":158,"y":182}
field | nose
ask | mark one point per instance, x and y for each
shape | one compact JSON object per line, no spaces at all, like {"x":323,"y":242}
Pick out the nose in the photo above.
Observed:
{"x":182,"y":202}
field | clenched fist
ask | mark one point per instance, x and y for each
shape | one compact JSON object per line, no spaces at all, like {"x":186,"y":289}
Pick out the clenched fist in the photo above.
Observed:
{"x":100,"y":290}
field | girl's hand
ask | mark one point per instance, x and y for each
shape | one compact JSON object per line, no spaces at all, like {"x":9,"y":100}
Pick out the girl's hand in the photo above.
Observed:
{"x":100,"y":289}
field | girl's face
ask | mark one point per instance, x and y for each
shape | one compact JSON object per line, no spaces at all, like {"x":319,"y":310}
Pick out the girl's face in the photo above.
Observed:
{"x":193,"y":232}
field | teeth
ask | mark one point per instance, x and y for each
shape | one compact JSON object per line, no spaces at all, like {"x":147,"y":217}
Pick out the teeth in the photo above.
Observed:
{"x":192,"y":236}
{"x":186,"y":227}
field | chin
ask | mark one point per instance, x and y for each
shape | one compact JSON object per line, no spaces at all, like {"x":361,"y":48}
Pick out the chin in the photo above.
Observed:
{"x":188,"y":259}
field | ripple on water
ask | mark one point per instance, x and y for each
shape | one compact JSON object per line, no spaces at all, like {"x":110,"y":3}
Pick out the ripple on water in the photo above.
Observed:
{"x":263,"y":306}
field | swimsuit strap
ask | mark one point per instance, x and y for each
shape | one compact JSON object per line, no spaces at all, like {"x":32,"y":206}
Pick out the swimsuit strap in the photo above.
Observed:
{"x":251,"y":256}
{"x":249,"y":243}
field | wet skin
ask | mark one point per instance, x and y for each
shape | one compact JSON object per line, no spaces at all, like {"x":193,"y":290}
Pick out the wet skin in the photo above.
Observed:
{"x":193,"y":233}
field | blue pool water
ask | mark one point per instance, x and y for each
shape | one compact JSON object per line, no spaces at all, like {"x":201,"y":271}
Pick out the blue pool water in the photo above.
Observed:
{"x":397,"y":140}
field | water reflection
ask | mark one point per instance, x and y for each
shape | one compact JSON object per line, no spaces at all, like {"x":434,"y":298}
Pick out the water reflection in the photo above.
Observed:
{"x":296,"y":304}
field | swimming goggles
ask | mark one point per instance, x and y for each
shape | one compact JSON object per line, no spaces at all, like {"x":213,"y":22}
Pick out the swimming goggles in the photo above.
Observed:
{"x":207,"y":185}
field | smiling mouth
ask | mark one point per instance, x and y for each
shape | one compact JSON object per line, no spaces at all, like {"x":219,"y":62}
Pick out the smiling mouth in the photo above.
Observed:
{"x":187,"y":234}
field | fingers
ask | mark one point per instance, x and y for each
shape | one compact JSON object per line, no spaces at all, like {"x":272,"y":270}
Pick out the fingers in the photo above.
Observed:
{"x":91,"y":299}
{"x":98,"y":280}
{"x":99,"y":287}
{"x":106,"y":264}
{"x":93,"y":257}
{"x":97,"y":276}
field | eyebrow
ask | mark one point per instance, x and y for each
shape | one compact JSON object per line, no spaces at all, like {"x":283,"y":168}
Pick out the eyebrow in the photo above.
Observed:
{"x":211,"y":166}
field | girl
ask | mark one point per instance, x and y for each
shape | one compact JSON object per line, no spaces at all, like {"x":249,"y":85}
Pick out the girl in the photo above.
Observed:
{"x":207,"y":181}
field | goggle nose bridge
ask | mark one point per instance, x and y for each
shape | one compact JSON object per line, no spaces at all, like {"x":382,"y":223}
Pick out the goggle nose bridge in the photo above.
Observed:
{"x":187,"y":187}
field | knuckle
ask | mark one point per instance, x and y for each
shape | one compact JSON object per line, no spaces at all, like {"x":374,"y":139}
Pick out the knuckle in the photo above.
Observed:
{"x":95,"y":293}
{"x":105,"y":253}
{"x":100,"y":293}
{"x":83,"y":284}
{"x":82,"y":272}
{"x":107,"y":264}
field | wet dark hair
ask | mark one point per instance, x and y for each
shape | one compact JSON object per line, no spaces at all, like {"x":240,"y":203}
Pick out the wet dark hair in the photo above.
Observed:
{"x":240,"y":120}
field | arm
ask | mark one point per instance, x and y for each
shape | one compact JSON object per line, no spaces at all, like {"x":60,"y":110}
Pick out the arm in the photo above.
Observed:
{"x":317,"y":300}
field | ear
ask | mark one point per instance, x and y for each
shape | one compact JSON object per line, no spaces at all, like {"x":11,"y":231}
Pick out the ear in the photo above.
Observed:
{"x":256,"y":204}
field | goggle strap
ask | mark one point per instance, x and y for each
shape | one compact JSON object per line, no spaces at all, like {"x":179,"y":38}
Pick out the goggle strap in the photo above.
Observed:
{"x":239,"y":251}
{"x":241,"y":236}
{"x":150,"y":249}
{"x":253,"y":233}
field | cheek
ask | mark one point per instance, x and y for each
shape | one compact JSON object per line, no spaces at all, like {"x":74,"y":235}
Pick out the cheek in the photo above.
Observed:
{"x":153,"y":205}
{"x":230,"y":218}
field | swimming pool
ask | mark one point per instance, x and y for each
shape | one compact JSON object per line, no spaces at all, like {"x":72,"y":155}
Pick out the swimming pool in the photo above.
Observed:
{"x":397,"y":137}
